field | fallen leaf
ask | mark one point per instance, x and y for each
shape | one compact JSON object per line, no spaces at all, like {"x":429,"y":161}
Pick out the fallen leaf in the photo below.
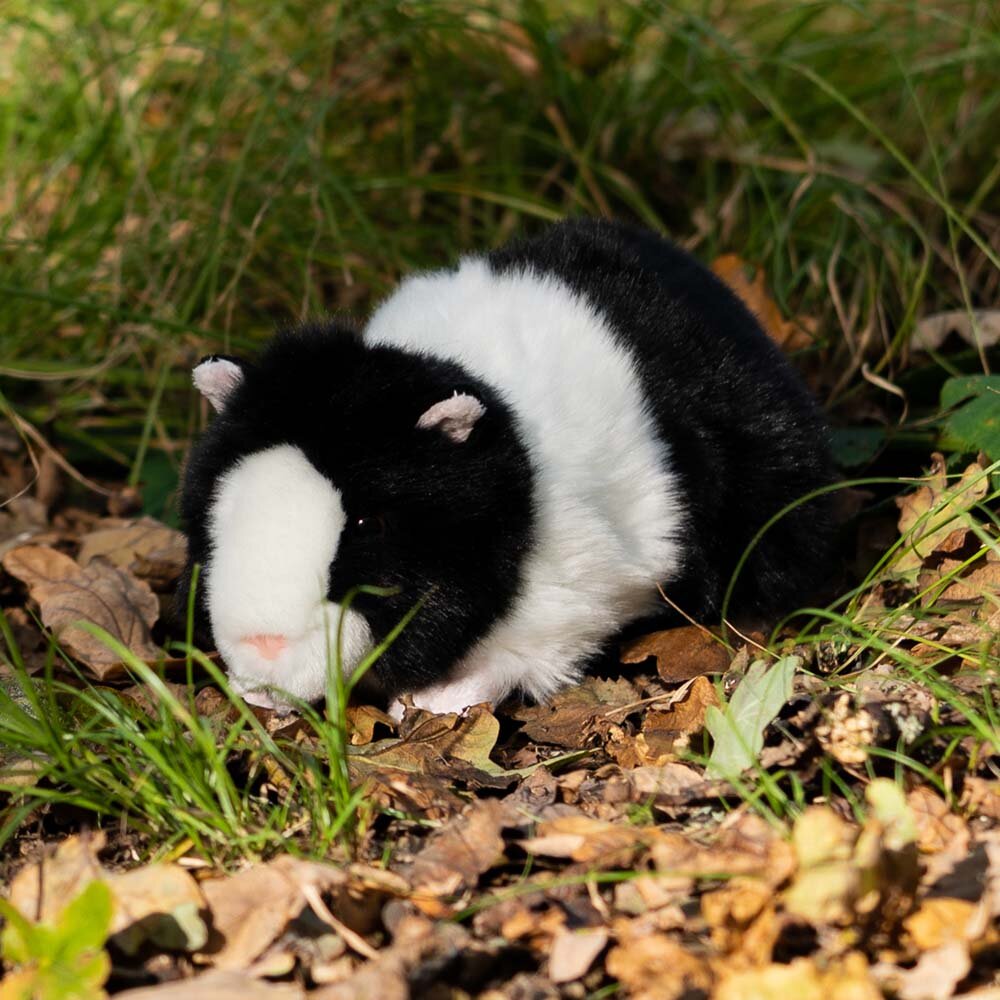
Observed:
{"x":41,"y":891}
{"x":457,"y":855}
{"x":242,"y":927}
{"x":826,"y":881}
{"x":572,"y":715}
{"x":362,"y":720}
{"x":111,"y":598}
{"x":936,"y":974}
{"x":656,"y":966}
{"x":787,"y":334}
{"x":845,"y":979}
{"x":930,"y":515}
{"x":573,"y":952}
{"x":588,"y":841}
{"x":217,"y":985}
{"x":680,"y":653}
{"x":451,"y":746}
{"x":148,"y":549}
{"x":977,"y":325}
{"x":418,"y":950}
{"x":940,"y":920}
{"x":738,"y":727}
{"x":159,"y":903}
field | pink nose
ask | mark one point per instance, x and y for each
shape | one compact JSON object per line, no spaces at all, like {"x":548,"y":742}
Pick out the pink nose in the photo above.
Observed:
{"x":269,"y":646}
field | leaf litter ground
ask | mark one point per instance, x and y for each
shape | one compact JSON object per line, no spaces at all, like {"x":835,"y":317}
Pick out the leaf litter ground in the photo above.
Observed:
{"x":729,"y":815}
{"x":613,"y":840}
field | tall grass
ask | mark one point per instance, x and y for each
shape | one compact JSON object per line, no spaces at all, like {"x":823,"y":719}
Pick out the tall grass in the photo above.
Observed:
{"x":180,"y":177}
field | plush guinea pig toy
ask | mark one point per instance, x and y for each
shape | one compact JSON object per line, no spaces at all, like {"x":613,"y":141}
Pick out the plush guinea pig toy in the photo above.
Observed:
{"x":528,"y":443}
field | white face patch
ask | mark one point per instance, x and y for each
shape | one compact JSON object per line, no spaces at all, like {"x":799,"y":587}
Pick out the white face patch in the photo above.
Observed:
{"x":275,"y":526}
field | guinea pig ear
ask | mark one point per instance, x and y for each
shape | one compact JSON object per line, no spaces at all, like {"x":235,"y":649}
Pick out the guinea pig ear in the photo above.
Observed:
{"x":454,"y":417}
{"x":215,"y":377}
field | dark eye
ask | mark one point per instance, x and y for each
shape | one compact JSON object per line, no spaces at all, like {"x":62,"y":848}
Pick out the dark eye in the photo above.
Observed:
{"x":371,"y":526}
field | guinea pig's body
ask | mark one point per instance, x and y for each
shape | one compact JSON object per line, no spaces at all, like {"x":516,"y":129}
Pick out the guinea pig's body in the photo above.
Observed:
{"x":530,"y":444}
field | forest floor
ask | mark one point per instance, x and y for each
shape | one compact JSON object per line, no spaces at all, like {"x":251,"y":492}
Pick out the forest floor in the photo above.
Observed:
{"x":810,"y":809}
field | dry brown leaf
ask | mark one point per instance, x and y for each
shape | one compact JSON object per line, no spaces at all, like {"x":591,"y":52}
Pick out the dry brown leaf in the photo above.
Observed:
{"x":40,"y":891}
{"x":573,"y":952}
{"x":787,"y":334}
{"x":745,"y":845}
{"x":938,"y":828}
{"x":417,"y":942}
{"x":981,"y":797}
{"x":100,"y":593}
{"x":940,"y":920}
{"x":589,"y":841}
{"x":730,"y":911}
{"x":145,"y":547}
{"x":979,"y":325}
{"x":454,"y":747}
{"x":362,"y":720}
{"x":665,"y":781}
{"x":681,"y":653}
{"x":457,"y":855}
{"x":845,"y":979}
{"x":666,"y":731}
{"x":242,"y":927}
{"x":158,"y":903}
{"x":936,"y":974}
{"x":572,"y":715}
{"x":217,"y":985}
{"x":656,"y":967}
{"x":948,"y":501}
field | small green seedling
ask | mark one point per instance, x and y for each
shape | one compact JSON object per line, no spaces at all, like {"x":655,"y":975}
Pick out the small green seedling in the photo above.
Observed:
{"x":61,"y":961}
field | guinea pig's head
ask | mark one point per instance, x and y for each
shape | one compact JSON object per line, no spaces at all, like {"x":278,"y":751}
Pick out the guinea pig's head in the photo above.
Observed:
{"x":328,"y":465}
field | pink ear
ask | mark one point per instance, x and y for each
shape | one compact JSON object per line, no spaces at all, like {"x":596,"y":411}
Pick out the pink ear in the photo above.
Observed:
{"x":216,"y":378}
{"x":454,"y":417}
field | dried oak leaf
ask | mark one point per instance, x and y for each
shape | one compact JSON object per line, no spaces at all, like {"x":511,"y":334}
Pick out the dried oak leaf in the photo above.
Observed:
{"x":681,"y":653}
{"x":571,"y":716}
{"x":100,"y":593}
{"x":458,"y":854}
{"x":789,"y":335}
{"x":145,"y":547}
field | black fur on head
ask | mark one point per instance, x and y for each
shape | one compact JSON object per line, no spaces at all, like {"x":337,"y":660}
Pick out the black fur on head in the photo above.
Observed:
{"x":441,"y":522}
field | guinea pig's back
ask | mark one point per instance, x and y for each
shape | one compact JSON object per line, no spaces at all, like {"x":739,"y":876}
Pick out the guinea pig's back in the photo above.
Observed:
{"x":745,"y":436}
{"x":664,"y":426}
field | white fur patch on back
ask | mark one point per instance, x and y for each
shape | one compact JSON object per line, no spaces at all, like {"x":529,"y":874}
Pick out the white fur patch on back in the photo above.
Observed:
{"x":609,"y":515}
{"x":275,"y":525}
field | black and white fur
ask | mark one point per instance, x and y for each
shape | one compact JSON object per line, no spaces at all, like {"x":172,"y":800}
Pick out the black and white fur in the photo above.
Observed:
{"x":530,"y":443}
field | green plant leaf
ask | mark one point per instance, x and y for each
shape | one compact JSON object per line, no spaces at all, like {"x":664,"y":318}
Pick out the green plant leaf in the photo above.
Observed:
{"x":975,"y":424}
{"x":65,"y":961}
{"x":738,"y":728}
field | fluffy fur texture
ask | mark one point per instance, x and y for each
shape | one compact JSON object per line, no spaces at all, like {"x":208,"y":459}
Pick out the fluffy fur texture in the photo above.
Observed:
{"x":528,"y":443}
